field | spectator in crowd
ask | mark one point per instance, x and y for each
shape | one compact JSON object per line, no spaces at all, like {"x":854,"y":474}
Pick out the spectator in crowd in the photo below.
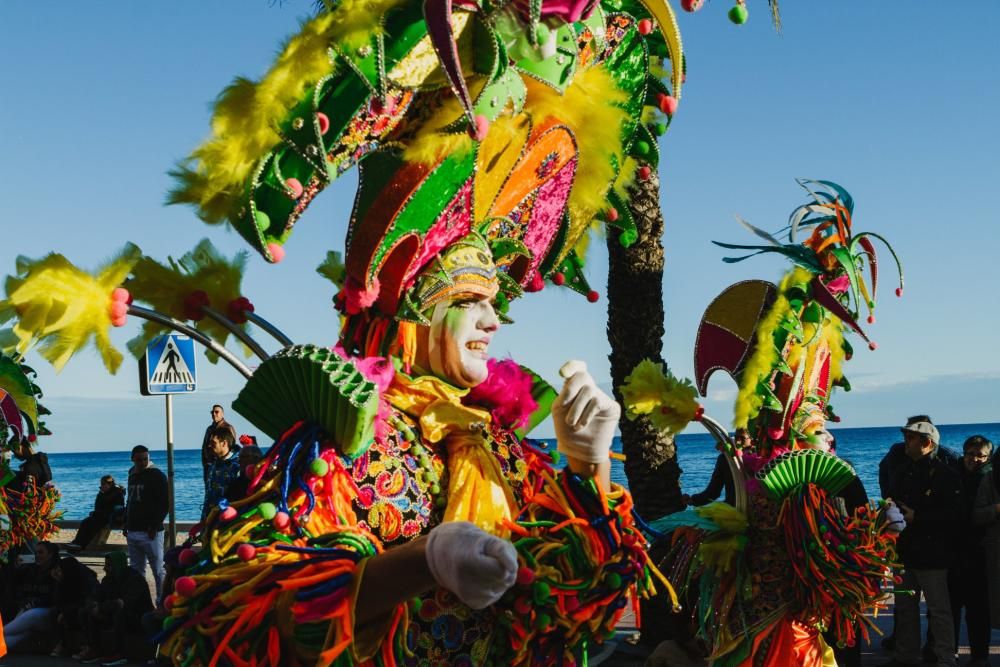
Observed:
{"x":249,"y":456}
{"x":896,"y":456}
{"x":35,"y":595}
{"x":929,"y":494}
{"x":109,"y":501}
{"x":218,"y":421}
{"x":722,"y":477}
{"x":118,"y":606}
{"x":75,"y":584}
{"x":223,"y":469}
{"x":967,"y":576}
{"x":893,"y":459}
{"x":145,"y":510}
{"x":987,"y":515}
{"x":35,"y":465}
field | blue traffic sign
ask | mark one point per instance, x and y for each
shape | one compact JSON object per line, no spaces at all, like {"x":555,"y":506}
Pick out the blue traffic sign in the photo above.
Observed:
{"x":168,"y":366}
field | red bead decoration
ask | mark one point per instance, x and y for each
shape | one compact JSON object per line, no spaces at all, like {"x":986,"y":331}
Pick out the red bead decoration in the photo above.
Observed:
{"x":612,"y":214}
{"x":323,"y":121}
{"x":645,"y":27}
{"x":559,"y":279}
{"x":643,"y":172}
{"x":593,"y":296}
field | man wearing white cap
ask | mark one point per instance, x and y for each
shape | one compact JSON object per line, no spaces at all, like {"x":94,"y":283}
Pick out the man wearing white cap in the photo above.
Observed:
{"x":928,"y":492}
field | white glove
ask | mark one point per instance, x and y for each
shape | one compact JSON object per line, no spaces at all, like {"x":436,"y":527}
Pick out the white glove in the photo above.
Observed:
{"x":471,"y":563}
{"x":585,"y":417}
{"x":894,"y":521}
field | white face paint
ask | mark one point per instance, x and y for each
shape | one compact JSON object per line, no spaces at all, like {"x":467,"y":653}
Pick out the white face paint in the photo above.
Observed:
{"x":459,"y":339}
{"x":825,"y":440}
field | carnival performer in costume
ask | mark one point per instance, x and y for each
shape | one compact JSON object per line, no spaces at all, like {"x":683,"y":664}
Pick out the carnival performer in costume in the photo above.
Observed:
{"x":27,"y":507}
{"x":763,"y":581}
{"x":400,"y":515}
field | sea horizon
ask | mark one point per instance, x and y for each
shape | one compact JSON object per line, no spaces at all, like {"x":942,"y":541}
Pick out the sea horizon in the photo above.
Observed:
{"x":76,"y":474}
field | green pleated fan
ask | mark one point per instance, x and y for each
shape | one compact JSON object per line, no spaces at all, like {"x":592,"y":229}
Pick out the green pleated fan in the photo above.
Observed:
{"x":313,"y":384}
{"x":793,"y":469}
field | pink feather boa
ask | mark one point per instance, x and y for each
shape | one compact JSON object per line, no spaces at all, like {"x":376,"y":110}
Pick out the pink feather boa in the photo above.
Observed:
{"x":506,"y":393}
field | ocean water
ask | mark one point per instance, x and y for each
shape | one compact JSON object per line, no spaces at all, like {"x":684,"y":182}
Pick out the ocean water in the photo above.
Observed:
{"x":77,"y":475}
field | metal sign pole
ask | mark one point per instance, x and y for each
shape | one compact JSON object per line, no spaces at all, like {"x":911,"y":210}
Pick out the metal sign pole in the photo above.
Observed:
{"x":172,"y":532}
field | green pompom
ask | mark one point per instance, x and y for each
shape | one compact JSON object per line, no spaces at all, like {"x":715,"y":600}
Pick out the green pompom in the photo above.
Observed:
{"x":319,"y":467}
{"x":613,"y":580}
{"x":738,"y":14}
{"x":543,"y":33}
{"x":642,"y":147}
{"x":267,"y":511}
{"x":659,"y":129}
{"x":556,"y":457}
{"x":262,"y":220}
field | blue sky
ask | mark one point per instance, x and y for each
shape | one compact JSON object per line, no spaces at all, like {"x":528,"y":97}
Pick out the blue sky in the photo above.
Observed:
{"x":895,"y":101}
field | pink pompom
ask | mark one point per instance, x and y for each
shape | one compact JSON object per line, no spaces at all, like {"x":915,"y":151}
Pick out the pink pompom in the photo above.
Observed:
{"x":246,"y":552}
{"x":871,"y":319}
{"x":357,"y":297}
{"x":667,"y":103}
{"x":872,"y":346}
{"x":121,"y":294}
{"x":187,"y":557}
{"x":295,"y":186}
{"x":899,"y":291}
{"x":506,"y":393}
{"x":185,"y":586}
{"x":593,"y":296}
{"x":536,"y":283}
{"x":612,"y":214}
{"x":691,"y":5}
{"x":480,"y":128}
{"x":228,"y":514}
{"x":169,"y":602}
{"x":525,"y":575}
{"x":119,"y":321}
{"x":276,"y":251}
{"x":323,"y":121}
{"x":645,"y":27}
{"x":119,"y":309}
{"x":559,"y":278}
{"x":643,"y":172}
{"x":281,"y":520}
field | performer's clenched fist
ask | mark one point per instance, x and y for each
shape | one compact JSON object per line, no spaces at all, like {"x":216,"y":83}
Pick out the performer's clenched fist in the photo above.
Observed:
{"x":585,"y":417}
{"x":474,"y":565}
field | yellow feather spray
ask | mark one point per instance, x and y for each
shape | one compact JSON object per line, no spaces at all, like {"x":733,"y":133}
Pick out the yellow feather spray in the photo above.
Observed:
{"x":62,"y":308}
{"x":166,"y":287}
{"x":651,"y":390}
{"x":247,"y":114}
{"x":589,"y":108}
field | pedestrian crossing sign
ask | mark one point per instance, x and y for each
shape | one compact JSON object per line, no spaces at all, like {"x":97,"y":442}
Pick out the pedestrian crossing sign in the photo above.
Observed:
{"x":168,"y":367}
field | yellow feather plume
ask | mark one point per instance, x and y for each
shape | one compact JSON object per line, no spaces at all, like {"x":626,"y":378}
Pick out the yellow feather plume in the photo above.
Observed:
{"x":62,"y":307}
{"x":166,"y":288}
{"x":720,"y":549}
{"x":589,"y":108}
{"x":651,"y":390}
{"x":247,"y":114}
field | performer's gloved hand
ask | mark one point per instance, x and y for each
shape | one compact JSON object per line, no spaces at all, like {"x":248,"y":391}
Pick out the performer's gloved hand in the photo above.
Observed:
{"x":894,"y":521}
{"x":585,"y":417}
{"x":471,"y":563}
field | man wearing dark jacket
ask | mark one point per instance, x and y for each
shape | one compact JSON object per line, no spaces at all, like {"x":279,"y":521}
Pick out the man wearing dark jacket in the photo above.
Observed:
{"x":896,"y":457}
{"x":109,"y":500}
{"x":218,"y":421}
{"x":144,"y":513}
{"x":35,"y":466}
{"x":929,"y":494}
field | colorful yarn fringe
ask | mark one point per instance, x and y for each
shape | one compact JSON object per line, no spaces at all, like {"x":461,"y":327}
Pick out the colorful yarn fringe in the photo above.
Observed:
{"x":272,"y":588}
{"x":583,"y":563}
{"x":839,"y":563}
{"x":31,"y":515}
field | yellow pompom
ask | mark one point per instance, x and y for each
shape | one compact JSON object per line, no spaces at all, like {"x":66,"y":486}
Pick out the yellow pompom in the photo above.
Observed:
{"x":652,"y":390}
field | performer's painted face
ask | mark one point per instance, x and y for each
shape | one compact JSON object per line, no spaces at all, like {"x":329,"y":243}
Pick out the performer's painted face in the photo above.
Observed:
{"x":458,"y":340}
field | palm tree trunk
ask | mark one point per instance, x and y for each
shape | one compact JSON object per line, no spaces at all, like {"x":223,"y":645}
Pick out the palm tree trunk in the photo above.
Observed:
{"x":635,"y":331}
